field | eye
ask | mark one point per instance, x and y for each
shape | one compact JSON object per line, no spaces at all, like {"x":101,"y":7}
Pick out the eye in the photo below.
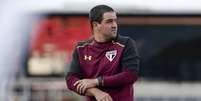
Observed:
{"x":115,"y":20}
{"x":109,"y":21}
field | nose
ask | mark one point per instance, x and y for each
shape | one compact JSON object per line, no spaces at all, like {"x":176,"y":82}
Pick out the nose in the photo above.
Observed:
{"x":114,"y":24}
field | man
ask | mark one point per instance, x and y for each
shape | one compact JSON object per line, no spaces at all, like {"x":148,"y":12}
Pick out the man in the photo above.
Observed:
{"x":104,"y":67}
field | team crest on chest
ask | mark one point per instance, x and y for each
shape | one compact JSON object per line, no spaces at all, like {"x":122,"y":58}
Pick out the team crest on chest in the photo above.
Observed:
{"x":110,"y":55}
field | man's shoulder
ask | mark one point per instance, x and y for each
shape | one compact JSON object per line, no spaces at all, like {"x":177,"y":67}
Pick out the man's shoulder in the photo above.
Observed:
{"x":124,"y":39}
{"x":83,"y":43}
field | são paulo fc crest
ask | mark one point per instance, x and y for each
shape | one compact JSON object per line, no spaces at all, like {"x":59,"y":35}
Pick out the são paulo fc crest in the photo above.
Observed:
{"x":110,"y":55}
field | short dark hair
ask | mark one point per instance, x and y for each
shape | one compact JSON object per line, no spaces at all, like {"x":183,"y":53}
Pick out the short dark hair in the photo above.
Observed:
{"x":96,"y":13}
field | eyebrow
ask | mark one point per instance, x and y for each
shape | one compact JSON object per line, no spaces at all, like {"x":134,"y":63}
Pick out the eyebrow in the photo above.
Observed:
{"x":110,"y":19}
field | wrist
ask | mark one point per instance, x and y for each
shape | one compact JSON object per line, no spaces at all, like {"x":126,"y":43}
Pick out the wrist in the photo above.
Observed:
{"x":96,"y":92}
{"x":93,"y":91}
{"x":100,"y":81}
{"x":96,"y":82}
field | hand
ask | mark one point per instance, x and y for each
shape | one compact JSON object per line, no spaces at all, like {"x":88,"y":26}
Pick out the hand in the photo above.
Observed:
{"x":102,"y":96}
{"x":84,"y":84}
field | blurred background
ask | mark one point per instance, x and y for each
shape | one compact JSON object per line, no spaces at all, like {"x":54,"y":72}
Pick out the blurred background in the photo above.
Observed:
{"x":37,"y":38}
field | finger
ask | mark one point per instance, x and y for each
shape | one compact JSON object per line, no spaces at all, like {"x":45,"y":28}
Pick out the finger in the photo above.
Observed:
{"x":105,"y":99}
{"x":78,"y":87}
{"x":102,"y":99}
{"x":84,"y":89}
{"x":77,"y":82}
{"x":81,"y":88}
{"x":110,"y":98}
{"x":98,"y":99}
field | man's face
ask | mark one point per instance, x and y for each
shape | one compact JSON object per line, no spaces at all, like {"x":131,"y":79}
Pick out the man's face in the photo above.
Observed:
{"x":108,"y":25}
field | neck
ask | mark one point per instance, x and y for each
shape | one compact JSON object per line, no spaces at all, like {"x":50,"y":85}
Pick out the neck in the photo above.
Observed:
{"x":100,"y":38}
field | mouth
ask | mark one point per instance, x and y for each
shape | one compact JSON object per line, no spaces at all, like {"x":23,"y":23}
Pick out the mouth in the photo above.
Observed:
{"x":114,"y":31}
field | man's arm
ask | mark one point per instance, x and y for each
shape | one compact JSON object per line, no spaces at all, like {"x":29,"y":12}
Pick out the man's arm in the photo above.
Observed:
{"x":74,"y":73}
{"x":124,"y":78}
{"x":98,"y":94}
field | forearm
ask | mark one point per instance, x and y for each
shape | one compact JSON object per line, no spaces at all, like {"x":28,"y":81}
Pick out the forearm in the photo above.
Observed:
{"x":92,"y":91}
{"x":98,"y":94}
{"x":120,"y":79}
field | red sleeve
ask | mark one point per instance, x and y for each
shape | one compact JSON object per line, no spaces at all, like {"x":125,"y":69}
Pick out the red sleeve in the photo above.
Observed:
{"x":70,"y":80}
{"x":124,"y":78}
{"x":74,"y":73}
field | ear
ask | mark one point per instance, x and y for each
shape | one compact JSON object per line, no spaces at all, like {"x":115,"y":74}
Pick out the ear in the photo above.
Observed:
{"x":95,"y":24}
